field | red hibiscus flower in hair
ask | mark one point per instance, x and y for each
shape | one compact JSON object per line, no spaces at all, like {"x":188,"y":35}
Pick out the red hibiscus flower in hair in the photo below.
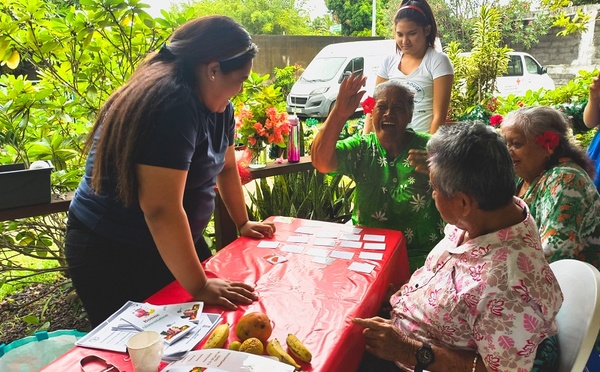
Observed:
{"x":368,"y":105}
{"x":495,"y":120}
{"x":548,"y":140}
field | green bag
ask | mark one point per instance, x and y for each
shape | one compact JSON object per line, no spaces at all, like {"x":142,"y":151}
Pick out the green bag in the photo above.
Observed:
{"x":35,"y":352}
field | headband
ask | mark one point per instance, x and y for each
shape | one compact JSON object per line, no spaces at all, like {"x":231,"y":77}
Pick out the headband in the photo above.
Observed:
{"x":414,"y":7}
{"x":249,"y":48}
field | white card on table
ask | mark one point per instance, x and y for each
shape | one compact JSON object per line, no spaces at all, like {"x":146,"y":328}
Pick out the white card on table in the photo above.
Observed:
{"x":373,"y":238}
{"x":361,"y":267}
{"x":378,"y":246}
{"x":326,"y":234}
{"x":323,"y":260}
{"x":324,"y":241}
{"x":318,"y":252}
{"x":298,"y":239}
{"x":350,"y":244}
{"x":283,"y":219}
{"x":306,"y":230}
{"x":292,"y":248}
{"x":371,"y":256}
{"x":342,"y":254}
{"x":267,"y":244}
{"x":312,"y":223}
{"x":351,"y":230}
{"x":352,"y":237}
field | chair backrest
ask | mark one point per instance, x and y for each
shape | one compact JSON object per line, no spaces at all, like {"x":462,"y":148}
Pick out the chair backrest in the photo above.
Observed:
{"x":579,"y":317}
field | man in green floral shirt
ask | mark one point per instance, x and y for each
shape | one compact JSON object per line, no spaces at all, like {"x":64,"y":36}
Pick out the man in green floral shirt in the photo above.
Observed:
{"x":390,"y":192}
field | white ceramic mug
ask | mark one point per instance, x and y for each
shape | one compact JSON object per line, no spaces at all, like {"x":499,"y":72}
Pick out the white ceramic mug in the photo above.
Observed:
{"x":145,"y":350}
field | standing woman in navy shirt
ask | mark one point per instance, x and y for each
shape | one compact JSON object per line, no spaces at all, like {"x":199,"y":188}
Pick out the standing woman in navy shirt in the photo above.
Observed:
{"x":159,"y":146}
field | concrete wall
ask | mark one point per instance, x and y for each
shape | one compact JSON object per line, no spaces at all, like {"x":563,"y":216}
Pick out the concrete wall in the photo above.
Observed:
{"x":281,"y":51}
{"x":563,"y":56}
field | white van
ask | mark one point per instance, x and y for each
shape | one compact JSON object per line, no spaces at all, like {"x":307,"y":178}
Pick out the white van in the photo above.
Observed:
{"x":315,"y":92}
{"x":524,"y":73}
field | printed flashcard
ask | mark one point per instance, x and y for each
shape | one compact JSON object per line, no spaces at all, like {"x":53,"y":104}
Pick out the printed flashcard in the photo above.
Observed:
{"x":373,"y":238}
{"x":361,"y":267}
{"x":306,"y":230}
{"x":148,"y":317}
{"x":323,"y":260}
{"x":317,"y":252}
{"x":283,"y":219}
{"x":326,"y":234}
{"x":351,"y":229}
{"x":275,"y":258}
{"x":352,"y":237}
{"x":324,"y":241}
{"x":292,"y":248}
{"x":342,"y":254}
{"x":371,"y":256}
{"x":350,"y":244}
{"x":298,"y":239}
{"x":267,"y":244}
{"x":312,"y":223}
{"x":377,"y":246}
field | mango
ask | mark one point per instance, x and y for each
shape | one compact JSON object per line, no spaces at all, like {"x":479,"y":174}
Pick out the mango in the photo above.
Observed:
{"x":256,"y":325}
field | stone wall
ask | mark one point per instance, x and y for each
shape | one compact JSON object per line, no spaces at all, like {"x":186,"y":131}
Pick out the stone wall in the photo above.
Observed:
{"x":564,"y":56}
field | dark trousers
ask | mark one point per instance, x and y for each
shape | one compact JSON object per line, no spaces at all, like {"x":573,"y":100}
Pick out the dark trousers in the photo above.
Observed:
{"x":107,"y":273}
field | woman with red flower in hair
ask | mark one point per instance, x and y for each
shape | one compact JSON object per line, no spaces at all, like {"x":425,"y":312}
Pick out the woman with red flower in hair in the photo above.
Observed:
{"x":556,"y":182}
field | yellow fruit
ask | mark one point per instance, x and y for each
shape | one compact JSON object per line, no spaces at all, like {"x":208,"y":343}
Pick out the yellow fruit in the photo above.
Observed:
{"x":13,"y":61}
{"x":218,"y":337}
{"x":298,"y":349}
{"x":235,"y":345}
{"x":254,"y":325}
{"x":253,"y":346}
{"x":275,"y":349}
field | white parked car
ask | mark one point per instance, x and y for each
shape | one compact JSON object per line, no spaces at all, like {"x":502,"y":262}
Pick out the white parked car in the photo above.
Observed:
{"x":524,"y":73}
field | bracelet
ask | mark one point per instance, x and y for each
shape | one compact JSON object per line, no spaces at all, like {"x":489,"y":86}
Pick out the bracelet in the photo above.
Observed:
{"x":475,"y":363}
{"x":244,"y":224}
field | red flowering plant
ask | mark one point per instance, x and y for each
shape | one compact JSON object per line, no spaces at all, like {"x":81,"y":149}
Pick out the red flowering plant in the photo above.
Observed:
{"x":496,"y":120}
{"x":260,"y":117}
{"x":257,"y":126}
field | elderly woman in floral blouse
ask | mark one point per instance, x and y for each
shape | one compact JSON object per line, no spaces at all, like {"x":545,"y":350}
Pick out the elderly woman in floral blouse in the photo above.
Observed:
{"x":391,"y":192}
{"x":556,"y":182}
{"x":486,"y":298}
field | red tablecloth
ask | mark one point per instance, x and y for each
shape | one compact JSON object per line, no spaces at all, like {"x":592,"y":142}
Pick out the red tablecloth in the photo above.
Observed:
{"x":314,"y":301}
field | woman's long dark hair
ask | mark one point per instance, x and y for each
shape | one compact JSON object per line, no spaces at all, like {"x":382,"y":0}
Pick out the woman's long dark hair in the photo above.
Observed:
{"x":163,"y":80}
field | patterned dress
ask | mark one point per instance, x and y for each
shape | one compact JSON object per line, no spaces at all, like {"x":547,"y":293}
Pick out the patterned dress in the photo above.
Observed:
{"x":566,"y":207}
{"x":495,"y":294}
{"x":390,"y":193}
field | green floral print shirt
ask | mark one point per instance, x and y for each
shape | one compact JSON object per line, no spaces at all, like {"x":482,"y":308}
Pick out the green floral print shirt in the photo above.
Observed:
{"x":566,"y":207}
{"x":390,"y":193}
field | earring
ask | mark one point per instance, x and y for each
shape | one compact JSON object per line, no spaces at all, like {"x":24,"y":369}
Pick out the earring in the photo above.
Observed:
{"x":212,"y":77}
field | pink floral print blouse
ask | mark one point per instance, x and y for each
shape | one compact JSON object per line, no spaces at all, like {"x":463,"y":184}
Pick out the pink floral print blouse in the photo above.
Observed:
{"x":495,"y":294}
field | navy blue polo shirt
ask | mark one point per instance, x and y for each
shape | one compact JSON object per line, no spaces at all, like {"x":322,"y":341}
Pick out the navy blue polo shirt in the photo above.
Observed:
{"x":187,"y":137}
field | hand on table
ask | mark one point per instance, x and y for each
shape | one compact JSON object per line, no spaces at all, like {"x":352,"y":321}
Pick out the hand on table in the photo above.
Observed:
{"x":418,"y":159}
{"x":383,"y":339}
{"x":258,"y":230}
{"x":225,"y":293}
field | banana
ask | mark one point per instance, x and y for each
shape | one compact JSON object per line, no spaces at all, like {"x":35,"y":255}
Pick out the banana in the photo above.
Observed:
{"x":275,"y":349}
{"x":218,"y":337}
{"x":297,"y":348}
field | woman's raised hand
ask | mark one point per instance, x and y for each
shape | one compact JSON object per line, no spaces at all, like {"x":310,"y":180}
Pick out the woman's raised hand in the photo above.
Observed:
{"x":350,"y":94}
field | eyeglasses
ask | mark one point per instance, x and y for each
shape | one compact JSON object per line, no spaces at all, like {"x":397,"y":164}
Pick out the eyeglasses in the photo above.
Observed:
{"x":108,"y":367}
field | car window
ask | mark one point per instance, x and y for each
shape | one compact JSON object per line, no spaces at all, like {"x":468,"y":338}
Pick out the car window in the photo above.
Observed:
{"x":356,"y":64}
{"x":515,"y":66}
{"x":532,"y":66}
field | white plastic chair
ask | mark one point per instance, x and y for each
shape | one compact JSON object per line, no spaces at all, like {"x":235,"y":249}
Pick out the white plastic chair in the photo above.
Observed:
{"x":579,"y":317}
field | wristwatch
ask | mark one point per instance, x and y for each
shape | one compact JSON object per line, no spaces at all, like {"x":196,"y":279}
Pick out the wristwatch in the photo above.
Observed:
{"x":424,"y":357}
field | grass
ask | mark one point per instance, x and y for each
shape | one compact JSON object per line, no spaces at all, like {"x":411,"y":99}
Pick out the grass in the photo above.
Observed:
{"x":32,"y":263}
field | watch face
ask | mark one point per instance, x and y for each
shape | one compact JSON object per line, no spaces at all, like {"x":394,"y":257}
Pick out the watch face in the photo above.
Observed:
{"x":425,"y":355}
